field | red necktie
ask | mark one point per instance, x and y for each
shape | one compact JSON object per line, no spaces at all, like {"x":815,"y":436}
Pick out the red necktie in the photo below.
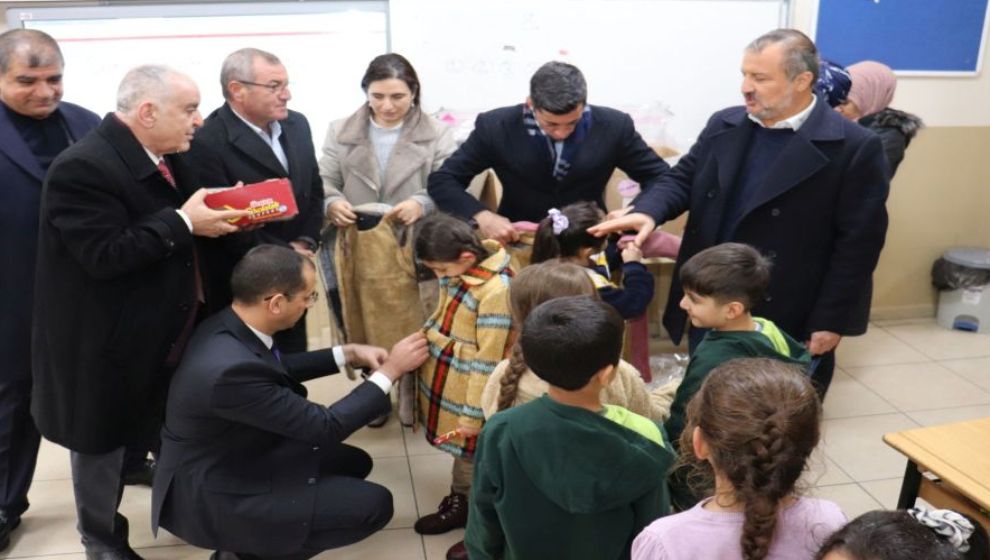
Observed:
{"x":163,"y":168}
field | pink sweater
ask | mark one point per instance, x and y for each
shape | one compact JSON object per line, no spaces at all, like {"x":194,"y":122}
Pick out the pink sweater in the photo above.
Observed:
{"x":699,"y":533}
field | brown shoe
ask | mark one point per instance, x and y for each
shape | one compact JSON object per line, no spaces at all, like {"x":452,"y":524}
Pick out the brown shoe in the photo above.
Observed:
{"x":457,"y":552}
{"x":452,"y":514}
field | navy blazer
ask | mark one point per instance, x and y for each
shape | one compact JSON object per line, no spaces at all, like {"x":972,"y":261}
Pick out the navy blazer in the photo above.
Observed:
{"x":242,"y":446}
{"x":820,"y":215}
{"x":22,"y":177}
{"x":226,"y":151}
{"x":501,"y":142}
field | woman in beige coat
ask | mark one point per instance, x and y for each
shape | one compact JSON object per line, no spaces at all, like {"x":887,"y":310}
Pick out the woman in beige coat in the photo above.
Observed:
{"x":384,"y":152}
{"x":375,"y":164}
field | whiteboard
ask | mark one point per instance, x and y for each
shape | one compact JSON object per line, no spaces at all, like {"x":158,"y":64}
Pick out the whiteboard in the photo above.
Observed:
{"x":669,"y":63}
{"x":325,"y":46}
{"x":474,"y":55}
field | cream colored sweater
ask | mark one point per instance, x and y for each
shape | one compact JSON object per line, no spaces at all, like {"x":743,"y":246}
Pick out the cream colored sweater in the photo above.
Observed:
{"x":626,"y":390}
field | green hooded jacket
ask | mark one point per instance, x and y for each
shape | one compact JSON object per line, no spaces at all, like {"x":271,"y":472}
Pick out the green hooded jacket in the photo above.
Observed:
{"x":718,"y":347}
{"x":557,"y":481}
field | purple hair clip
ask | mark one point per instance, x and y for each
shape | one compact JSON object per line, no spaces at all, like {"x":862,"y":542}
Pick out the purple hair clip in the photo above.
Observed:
{"x":558,"y":220}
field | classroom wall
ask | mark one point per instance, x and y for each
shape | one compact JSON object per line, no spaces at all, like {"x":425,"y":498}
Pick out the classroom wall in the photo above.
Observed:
{"x":941,"y":194}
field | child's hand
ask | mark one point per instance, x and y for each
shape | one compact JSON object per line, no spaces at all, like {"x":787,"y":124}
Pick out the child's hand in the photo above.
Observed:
{"x":632,"y":253}
{"x":466,"y":431}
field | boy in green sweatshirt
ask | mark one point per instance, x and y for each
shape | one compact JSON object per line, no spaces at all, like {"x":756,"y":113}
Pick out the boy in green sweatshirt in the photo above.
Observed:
{"x":721,"y":285}
{"x":565,"y":476}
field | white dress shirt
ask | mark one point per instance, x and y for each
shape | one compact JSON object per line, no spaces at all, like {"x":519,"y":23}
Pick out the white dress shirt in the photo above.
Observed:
{"x":793,"y":122}
{"x":378,"y":378}
{"x":271,"y":140}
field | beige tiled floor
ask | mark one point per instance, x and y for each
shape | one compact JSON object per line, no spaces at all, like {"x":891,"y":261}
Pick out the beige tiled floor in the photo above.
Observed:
{"x":900,"y":375}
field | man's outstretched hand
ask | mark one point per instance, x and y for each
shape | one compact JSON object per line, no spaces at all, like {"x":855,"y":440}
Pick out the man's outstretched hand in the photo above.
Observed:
{"x":641,"y":223}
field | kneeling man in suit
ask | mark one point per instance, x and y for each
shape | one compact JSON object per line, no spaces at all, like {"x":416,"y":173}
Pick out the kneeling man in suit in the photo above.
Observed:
{"x":249,"y":465}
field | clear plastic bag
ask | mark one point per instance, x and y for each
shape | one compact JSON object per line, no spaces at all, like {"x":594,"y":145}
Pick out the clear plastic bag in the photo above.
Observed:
{"x":667,"y":368}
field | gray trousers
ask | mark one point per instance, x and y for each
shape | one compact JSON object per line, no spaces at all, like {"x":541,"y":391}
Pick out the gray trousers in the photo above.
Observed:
{"x":98,"y":487}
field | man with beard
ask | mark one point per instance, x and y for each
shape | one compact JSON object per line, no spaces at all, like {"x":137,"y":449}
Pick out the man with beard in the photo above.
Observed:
{"x":788,"y":175}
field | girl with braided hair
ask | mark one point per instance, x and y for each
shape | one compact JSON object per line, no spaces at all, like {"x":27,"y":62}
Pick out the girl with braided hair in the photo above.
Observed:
{"x":512,"y":383}
{"x":750,"y":429}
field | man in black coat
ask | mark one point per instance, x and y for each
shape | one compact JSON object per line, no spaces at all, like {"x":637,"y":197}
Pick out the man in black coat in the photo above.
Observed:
{"x":549,"y":152}
{"x":35,"y":126}
{"x":790,"y":176}
{"x":251,"y":138}
{"x":117,"y":289}
{"x":248,"y":464}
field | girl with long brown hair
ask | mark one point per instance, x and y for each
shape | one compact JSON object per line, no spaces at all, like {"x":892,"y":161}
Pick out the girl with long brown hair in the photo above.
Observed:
{"x":751,"y":428}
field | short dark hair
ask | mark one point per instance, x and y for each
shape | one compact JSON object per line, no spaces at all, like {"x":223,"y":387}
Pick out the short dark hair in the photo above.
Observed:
{"x":558,"y":88}
{"x":389,"y":66}
{"x":580,"y":216}
{"x":728,"y":272}
{"x":442,"y":238}
{"x":265,"y":270}
{"x":800,"y":52}
{"x":567,"y":340}
{"x":896,"y":535}
{"x":40,"y":48}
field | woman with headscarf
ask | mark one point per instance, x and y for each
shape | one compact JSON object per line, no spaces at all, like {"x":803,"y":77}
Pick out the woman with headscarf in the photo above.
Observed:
{"x":833,"y":83}
{"x":872,"y":90}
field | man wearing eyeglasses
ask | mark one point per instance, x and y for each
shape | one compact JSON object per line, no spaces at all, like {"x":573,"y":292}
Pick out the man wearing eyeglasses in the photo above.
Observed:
{"x":249,"y":466}
{"x":253,"y":137}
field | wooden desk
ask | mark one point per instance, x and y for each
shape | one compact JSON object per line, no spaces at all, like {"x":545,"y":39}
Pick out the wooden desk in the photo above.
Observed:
{"x":958,"y":455}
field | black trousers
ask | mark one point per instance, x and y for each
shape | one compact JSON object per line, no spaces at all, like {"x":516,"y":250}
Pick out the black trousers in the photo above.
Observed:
{"x":348,"y":508}
{"x":98,"y":487}
{"x":19,"y":441}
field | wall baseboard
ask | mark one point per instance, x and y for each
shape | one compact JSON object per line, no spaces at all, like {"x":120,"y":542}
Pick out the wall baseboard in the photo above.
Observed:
{"x":895,"y":312}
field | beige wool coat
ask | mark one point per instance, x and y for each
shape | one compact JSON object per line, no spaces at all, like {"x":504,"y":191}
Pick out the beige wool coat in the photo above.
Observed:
{"x":349,"y":166}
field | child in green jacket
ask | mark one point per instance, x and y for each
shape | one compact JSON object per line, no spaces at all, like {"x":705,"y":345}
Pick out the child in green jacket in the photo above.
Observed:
{"x":565,"y":476}
{"x":721,"y":285}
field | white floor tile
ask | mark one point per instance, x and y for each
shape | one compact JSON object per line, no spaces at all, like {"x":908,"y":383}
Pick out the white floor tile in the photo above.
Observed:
{"x":53,"y":462}
{"x":950,"y":415}
{"x":925,"y":386}
{"x":822,"y":471}
{"x":876,"y":347}
{"x":851,"y":498}
{"x":393,"y":473}
{"x":939,"y":343}
{"x":976,"y":370}
{"x":436,"y":545}
{"x":847,"y":397}
{"x":884,"y":491}
{"x":431,"y":480}
{"x":857,"y":447}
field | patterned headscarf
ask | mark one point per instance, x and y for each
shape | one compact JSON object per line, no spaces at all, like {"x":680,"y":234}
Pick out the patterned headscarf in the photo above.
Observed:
{"x":833,"y":83}
{"x":873,"y":86}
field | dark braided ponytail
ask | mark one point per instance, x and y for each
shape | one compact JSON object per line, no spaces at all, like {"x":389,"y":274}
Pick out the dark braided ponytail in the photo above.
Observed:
{"x":760,"y":419}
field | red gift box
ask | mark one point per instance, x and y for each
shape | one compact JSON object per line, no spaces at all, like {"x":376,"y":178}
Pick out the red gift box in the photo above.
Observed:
{"x":267,"y":201}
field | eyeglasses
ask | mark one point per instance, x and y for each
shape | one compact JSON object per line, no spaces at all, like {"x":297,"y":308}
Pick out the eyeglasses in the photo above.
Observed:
{"x":310,"y":299}
{"x":275,"y":88}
